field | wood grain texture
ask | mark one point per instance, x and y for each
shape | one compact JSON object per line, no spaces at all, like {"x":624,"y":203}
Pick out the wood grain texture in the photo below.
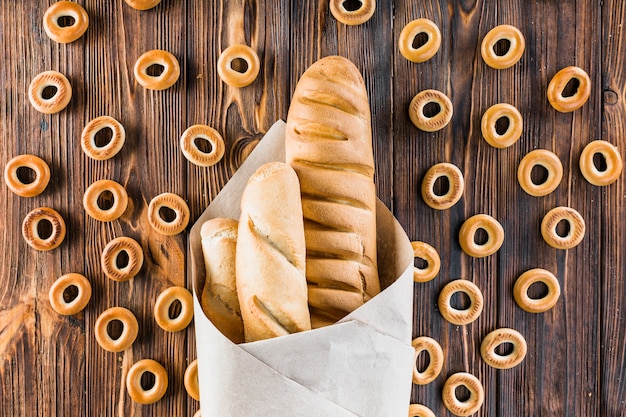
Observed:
{"x":576,"y":362}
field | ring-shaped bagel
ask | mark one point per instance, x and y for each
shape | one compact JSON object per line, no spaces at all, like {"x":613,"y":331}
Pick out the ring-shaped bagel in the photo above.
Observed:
{"x":437,"y":121}
{"x":31,"y":233}
{"x":495,"y":339}
{"x":37,"y":165}
{"x":612,"y":158}
{"x":191,"y":380}
{"x":528,"y":278}
{"x":65,"y":34}
{"x":76,"y":304}
{"x":576,"y":231}
{"x":88,"y":138}
{"x":230,"y":75}
{"x":174,"y":203}
{"x":428,"y":49}
{"x":142,"y":4}
{"x":426,"y":252}
{"x":545,"y":159}
{"x":159,"y":57}
{"x":489,"y":121}
{"x":473,"y":385}
{"x":453,"y":315}
{"x":456,"y":185}
{"x":435,"y":364}
{"x":355,"y":17}
{"x":93,"y":193}
{"x":110,"y":263}
{"x":420,"y":410}
{"x":559,"y":82}
{"x":162,"y":309}
{"x":133,"y":381}
{"x":130,"y":329}
{"x":517,"y":44}
{"x":58,"y":101}
{"x":495,"y":236}
{"x":191,"y":151}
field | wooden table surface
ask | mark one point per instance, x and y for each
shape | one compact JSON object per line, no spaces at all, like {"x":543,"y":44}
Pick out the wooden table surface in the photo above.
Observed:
{"x":51,"y":365}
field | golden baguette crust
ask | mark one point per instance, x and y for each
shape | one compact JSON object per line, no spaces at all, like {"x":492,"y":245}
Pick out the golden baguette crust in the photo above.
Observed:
{"x":329,"y":145}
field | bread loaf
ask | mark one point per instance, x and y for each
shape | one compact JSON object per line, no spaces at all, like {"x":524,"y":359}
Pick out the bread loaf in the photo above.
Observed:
{"x":219,"y":298}
{"x":329,"y":145}
{"x":271,"y":255}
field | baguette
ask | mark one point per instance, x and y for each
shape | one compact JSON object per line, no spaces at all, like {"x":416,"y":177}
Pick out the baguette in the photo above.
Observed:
{"x":271,"y":280}
{"x":329,"y":145}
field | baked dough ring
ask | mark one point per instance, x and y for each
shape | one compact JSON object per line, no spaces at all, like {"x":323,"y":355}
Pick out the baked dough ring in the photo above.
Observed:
{"x":65,"y":34}
{"x":39,"y":167}
{"x":88,"y":138}
{"x":233,"y":77}
{"x":425,"y":51}
{"x":129,"y":331}
{"x":142,"y":4}
{"x":435,"y":353}
{"x":352,"y":17}
{"x":59,"y":100}
{"x":558,"y":84}
{"x":191,"y":380}
{"x":528,"y":278}
{"x":460,"y":317}
{"x":513,"y":131}
{"x":133,"y":381}
{"x":473,"y":385}
{"x":163,"y":81}
{"x":162,"y":309}
{"x":436,"y":122}
{"x":495,"y":236}
{"x":110,"y":254}
{"x":576,"y":228}
{"x":30,"y":229}
{"x":550,"y":162}
{"x":78,"y":303}
{"x":173,"y":202}
{"x":191,"y":151}
{"x":118,"y":207}
{"x":612,"y":158}
{"x":429,"y":254}
{"x":456,"y":185}
{"x":495,"y":339}
{"x":512,"y":55}
{"x":419,"y":410}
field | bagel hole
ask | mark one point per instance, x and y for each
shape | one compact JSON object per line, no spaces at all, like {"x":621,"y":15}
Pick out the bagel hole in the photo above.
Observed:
{"x":504,"y":349}
{"x":155,"y":70}
{"x":239,"y":64}
{"x":103,"y":137}
{"x":599,"y":161}
{"x":203,"y":144}
{"x":167,"y":214}
{"x":420,"y":40}
{"x":352,"y":5}
{"x":122,"y":259}
{"x":431,"y":109}
{"x":571,"y":88}
{"x":148,"y":379}
{"x":48,"y":92}
{"x":502,"y":47}
{"x":175,"y":309}
{"x":66,"y":21}
{"x":115,"y":328}
{"x":422,"y":361}
{"x":44,"y":229}
{"x":420,"y":263}
{"x":481,"y":236}
{"x":538,"y":174}
{"x":563,"y":227}
{"x":441,"y":186}
{"x":537,"y":290}
{"x":460,"y":301}
{"x":26,"y":175}
{"x":462,"y":393}
{"x":70,"y":293}
{"x":502,"y":125}
{"x":105,"y":200}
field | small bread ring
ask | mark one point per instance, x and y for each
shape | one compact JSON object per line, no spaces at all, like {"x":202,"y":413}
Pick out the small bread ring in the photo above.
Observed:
{"x":513,"y":131}
{"x":558,"y":84}
{"x":110,"y":254}
{"x":65,"y":34}
{"x":473,"y":385}
{"x":118,"y":206}
{"x":162,"y":309}
{"x":142,"y":4}
{"x":37,"y":165}
{"x":429,"y":254}
{"x":425,"y":51}
{"x":528,"y":278}
{"x":355,"y":17}
{"x":436,"y":122}
{"x":612,"y":158}
{"x":419,"y":410}
{"x":88,"y":138}
{"x":435,"y":352}
{"x":456,"y":185}
{"x":30,"y":229}
{"x":230,"y":75}
{"x":133,"y":381}
{"x":495,"y":339}
{"x":159,"y":57}
{"x":191,"y":151}
{"x":495,"y":236}
{"x":576,"y":228}
{"x":78,"y":303}
{"x":460,"y":317}
{"x":174,"y":203}
{"x":191,"y":380}
{"x":546,"y":159}
{"x":58,"y":101}
{"x":130,"y":329}
{"x":512,"y":55}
